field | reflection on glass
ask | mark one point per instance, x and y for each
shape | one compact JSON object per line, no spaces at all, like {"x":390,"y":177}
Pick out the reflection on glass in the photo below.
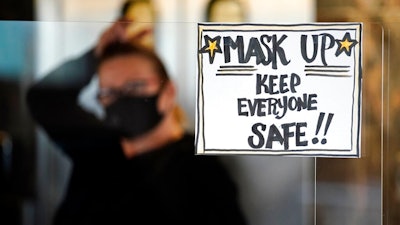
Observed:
{"x":348,"y":190}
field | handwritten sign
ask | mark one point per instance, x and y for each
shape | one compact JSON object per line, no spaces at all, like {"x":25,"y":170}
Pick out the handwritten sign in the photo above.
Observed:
{"x":288,"y":89}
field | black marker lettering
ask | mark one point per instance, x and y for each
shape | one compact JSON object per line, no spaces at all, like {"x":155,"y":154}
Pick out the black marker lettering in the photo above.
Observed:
{"x":255,"y":129}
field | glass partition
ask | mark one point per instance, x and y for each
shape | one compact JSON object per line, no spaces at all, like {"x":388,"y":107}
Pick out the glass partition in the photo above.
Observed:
{"x":349,"y":191}
{"x":271,"y":189}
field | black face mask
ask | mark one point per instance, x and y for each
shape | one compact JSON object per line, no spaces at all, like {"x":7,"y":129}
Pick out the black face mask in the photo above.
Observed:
{"x":133,"y":115}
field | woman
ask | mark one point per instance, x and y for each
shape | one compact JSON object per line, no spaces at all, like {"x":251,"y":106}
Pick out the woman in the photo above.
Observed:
{"x":137,"y":165}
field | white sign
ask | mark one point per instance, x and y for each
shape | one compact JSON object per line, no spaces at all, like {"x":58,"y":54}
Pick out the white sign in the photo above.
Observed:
{"x":288,"y":89}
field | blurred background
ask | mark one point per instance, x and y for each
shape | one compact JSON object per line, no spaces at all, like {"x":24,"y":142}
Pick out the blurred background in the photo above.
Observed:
{"x":36,"y":36}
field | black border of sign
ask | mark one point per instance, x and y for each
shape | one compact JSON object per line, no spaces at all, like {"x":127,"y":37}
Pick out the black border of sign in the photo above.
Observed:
{"x":200,"y":138}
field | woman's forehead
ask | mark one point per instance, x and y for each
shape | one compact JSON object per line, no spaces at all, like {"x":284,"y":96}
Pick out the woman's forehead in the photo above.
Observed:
{"x":127,"y":68}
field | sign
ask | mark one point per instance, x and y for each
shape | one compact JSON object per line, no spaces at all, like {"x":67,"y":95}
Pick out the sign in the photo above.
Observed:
{"x":287,"y":89}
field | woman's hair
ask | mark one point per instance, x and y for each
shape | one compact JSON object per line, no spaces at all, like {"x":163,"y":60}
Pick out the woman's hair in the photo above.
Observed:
{"x":126,"y":6}
{"x":120,"y":49}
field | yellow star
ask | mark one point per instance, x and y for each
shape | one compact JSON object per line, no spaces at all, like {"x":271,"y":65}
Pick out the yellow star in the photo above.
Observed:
{"x":212,"y":46}
{"x":346,"y":44}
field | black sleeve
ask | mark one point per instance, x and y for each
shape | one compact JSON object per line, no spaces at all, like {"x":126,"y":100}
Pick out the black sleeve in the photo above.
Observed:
{"x":53,"y":103}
